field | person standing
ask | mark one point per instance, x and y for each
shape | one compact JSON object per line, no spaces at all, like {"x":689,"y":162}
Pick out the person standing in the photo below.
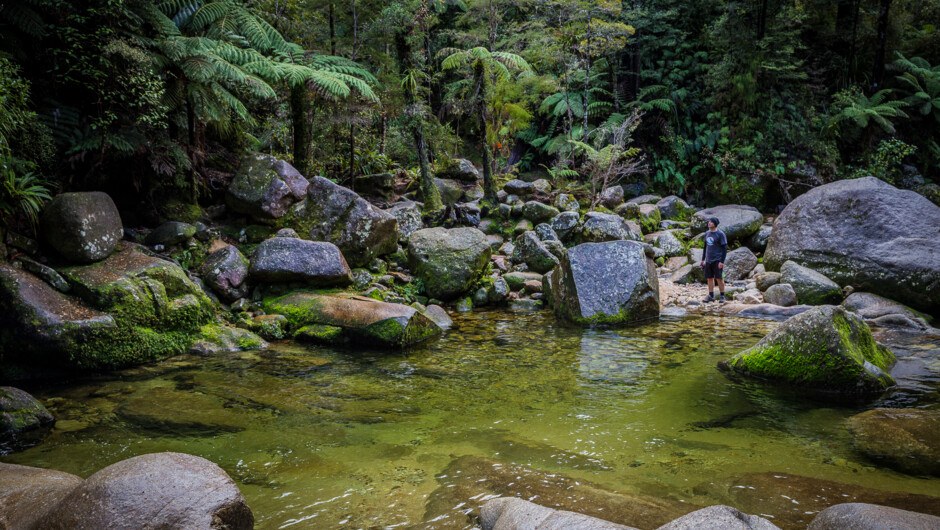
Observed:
{"x":713,"y":259}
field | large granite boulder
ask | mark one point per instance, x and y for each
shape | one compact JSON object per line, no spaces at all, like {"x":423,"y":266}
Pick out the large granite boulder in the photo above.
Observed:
{"x":458,"y":169}
{"x":904,"y":439}
{"x":738,"y":263}
{"x":860,"y":516}
{"x":826,"y":348}
{"x":565,"y":225}
{"x":605,"y":283}
{"x":20,"y":412}
{"x":27,"y":493}
{"x":82,"y":227}
{"x":668,"y":242}
{"x":408,"y":214}
{"x":735,"y":220}
{"x":158,"y":490}
{"x":507,"y":513}
{"x":611,"y":197}
{"x":448,"y":261}
{"x":378,"y":185}
{"x":599,"y":227}
{"x":533,"y":252}
{"x":285,"y":259}
{"x":781,"y":294}
{"x":265,"y":187}
{"x":723,"y":517}
{"x":811,"y":287}
{"x":866,"y":233}
{"x":360,"y":319}
{"x":338,"y":215}
{"x":225,"y":271}
{"x":674,"y":208}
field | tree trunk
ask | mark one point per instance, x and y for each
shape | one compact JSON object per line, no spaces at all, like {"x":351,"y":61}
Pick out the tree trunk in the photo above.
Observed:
{"x":332,"y":31}
{"x":762,"y":20}
{"x":352,"y":156}
{"x":489,"y":185}
{"x":301,"y":128}
{"x":587,"y":87}
{"x":429,"y":192}
{"x":878,"y":73}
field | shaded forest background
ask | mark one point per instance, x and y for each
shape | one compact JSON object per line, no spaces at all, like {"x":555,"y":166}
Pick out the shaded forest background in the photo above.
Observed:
{"x":748,"y":102}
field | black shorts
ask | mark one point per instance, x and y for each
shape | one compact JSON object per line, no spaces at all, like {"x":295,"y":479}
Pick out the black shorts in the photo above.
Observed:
{"x":712,"y":270}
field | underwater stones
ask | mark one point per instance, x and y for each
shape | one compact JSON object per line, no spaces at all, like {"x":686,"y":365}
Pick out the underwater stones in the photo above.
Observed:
{"x":723,"y":517}
{"x":214,"y":338}
{"x":605,"y":283}
{"x":903,"y":439}
{"x":158,"y":490}
{"x":860,"y":516}
{"x":448,"y":260}
{"x":316,"y":263}
{"x":506,"y":513}
{"x":826,"y":348}
{"x":362,"y":319}
{"x":27,"y":493}
{"x":538,"y":212}
{"x":338,"y":215}
{"x":738,"y":263}
{"x":226,"y":272}
{"x":866,"y":233}
{"x":82,"y":227}
{"x":408,"y":214}
{"x":811,"y":287}
{"x":599,"y":227}
{"x":533,"y":252}
{"x":265,"y":187}
{"x":674,"y":208}
{"x":735,"y":220}
{"x":20,"y":412}
{"x":180,"y":412}
{"x":170,"y":233}
{"x":781,"y":294}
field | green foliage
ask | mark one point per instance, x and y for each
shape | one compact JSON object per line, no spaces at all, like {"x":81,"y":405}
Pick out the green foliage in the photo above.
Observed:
{"x":854,"y":109}
{"x":885,"y":162}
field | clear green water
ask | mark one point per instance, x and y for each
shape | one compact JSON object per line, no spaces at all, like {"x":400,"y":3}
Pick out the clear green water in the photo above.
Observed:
{"x":320,"y":438}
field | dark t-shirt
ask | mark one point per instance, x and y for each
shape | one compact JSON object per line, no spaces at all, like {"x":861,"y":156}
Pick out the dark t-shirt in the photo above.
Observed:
{"x":716,"y":246}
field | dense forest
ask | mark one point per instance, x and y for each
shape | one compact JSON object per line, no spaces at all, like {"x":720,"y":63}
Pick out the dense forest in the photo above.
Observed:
{"x":749,"y":102}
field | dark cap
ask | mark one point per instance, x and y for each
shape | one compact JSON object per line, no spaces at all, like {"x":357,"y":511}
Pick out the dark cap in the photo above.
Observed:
{"x":713,"y":220}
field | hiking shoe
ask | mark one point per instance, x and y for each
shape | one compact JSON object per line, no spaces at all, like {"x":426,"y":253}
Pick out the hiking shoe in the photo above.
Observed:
{"x":709,"y":298}
{"x":721,"y":297}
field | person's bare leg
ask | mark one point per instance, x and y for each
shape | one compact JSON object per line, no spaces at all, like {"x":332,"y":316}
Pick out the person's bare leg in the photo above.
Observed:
{"x":711,"y":287}
{"x":721,"y":286}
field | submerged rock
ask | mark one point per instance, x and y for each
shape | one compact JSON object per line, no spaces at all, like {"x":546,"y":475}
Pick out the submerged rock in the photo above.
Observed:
{"x":859,"y":516}
{"x":362,"y":319}
{"x":866,"y":233}
{"x":82,"y":227}
{"x":448,"y":261}
{"x":20,"y":412}
{"x":904,"y":439}
{"x":825,"y":348}
{"x":735,"y":220}
{"x":338,"y":215}
{"x":265,"y":187}
{"x":606,"y":283}
{"x":159,"y":490}
{"x":811,"y":287}
{"x":214,"y":338}
{"x":284,"y":259}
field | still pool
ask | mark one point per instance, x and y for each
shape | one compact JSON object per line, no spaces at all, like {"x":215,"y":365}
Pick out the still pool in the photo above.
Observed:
{"x":634,"y":423}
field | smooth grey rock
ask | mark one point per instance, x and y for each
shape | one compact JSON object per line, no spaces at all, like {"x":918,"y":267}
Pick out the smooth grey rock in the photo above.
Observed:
{"x":27,"y":493}
{"x":565,"y":225}
{"x":871,"y":306}
{"x":781,"y":294}
{"x":531,"y":251}
{"x":265,"y":187}
{"x":171,"y":233}
{"x":866,"y":233}
{"x":517,"y":279}
{"x":83,"y":227}
{"x":811,"y":287}
{"x":773,"y":312}
{"x":687,"y":274}
{"x":644,"y":199}
{"x":723,"y":517}
{"x":158,"y":490}
{"x":286,"y":232}
{"x":519,"y":187}
{"x":317,"y":263}
{"x":498,"y":292}
{"x":859,"y":516}
{"x":225,"y":271}
{"x":600,"y":227}
{"x":448,"y":260}
{"x":512,"y":513}
{"x":408,"y":214}
{"x":738,"y":263}
{"x":460,"y":169}
{"x":439,"y":316}
{"x":606,"y":283}
{"x":735,"y":220}
{"x":766,"y":280}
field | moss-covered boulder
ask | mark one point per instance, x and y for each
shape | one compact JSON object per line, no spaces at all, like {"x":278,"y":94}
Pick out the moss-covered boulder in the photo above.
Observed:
{"x":538,"y":212}
{"x":362,"y":320}
{"x":448,"y":261}
{"x":408,"y":214}
{"x":811,"y":287}
{"x":265,"y":187}
{"x":737,"y":221}
{"x":458,"y":168}
{"x":826,"y":348}
{"x":531,"y":251}
{"x":338,"y":215}
{"x":141,"y":290}
{"x":82,"y":227}
{"x":287,"y":259}
{"x":20,"y":412}
{"x":599,"y":227}
{"x":605,"y":283}
{"x":214,"y":338}
{"x":225,"y":271}
{"x":171,"y":233}
{"x":674,"y":208}
{"x":904,"y":439}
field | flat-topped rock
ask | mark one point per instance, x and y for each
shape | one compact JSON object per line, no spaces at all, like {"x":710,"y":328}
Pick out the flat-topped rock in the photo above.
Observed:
{"x":735,"y":220}
{"x":284,"y":259}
